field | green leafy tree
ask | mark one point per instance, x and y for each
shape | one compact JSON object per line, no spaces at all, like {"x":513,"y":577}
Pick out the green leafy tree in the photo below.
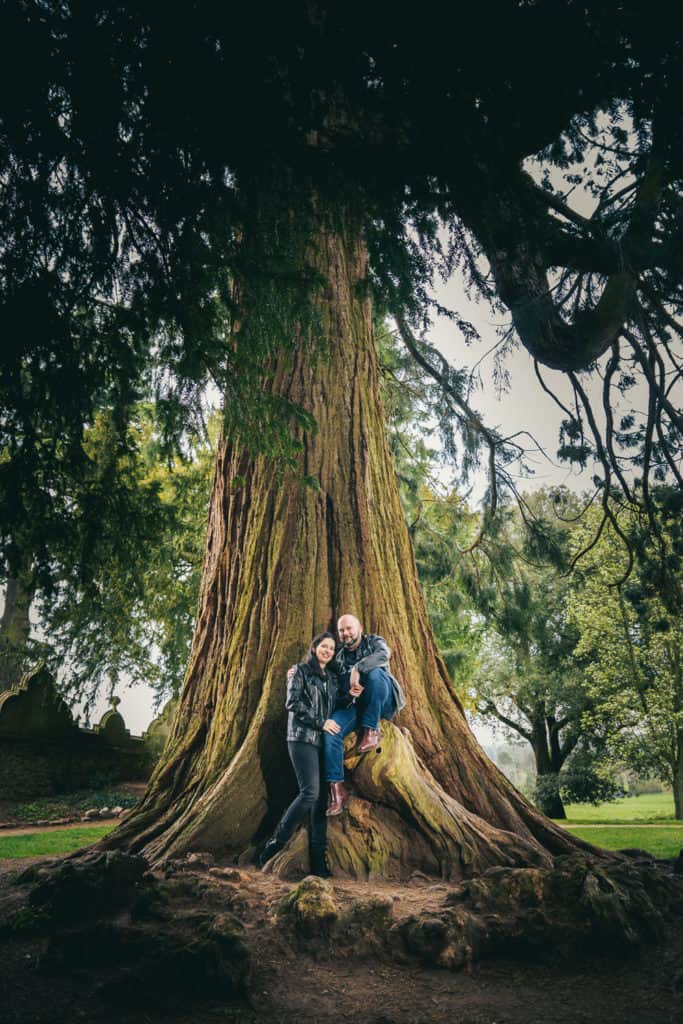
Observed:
{"x":135,"y":232}
{"x":133,"y":619}
{"x":130,"y":616}
{"x":528,"y":678}
{"x":529,"y":686}
{"x":99,"y":513}
{"x":631,"y":642}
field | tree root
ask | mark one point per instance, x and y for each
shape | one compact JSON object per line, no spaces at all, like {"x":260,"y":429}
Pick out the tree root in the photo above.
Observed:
{"x":403,"y":821}
{"x":575,"y":907}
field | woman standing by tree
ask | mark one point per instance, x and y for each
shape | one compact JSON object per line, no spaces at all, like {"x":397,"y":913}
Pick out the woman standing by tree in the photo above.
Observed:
{"x":311,"y":694}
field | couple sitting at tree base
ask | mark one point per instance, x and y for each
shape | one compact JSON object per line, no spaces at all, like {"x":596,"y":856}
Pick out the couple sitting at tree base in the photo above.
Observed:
{"x":337,"y":690}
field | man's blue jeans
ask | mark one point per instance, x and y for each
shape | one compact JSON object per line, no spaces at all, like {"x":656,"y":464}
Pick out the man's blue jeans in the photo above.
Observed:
{"x":375,"y":702}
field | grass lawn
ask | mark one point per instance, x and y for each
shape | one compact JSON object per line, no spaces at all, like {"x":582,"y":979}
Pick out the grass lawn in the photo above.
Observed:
{"x":651,"y":807}
{"x":36,"y":844}
{"x":633,"y":812}
{"x":662,"y":842}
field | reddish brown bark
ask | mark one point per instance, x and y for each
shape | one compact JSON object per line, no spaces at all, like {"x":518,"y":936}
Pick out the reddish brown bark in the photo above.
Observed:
{"x":282,"y":562}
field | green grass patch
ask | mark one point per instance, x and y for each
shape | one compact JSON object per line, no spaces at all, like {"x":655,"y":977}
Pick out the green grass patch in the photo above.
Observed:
{"x":650,"y":807}
{"x":66,"y":804}
{"x":53,"y":843}
{"x":662,"y":842}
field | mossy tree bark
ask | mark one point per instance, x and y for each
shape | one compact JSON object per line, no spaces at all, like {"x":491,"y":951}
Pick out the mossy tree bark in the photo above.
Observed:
{"x":15,"y":626}
{"x":282,"y":562}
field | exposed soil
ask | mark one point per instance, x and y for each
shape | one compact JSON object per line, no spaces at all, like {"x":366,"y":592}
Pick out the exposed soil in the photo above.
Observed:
{"x":288,"y":985}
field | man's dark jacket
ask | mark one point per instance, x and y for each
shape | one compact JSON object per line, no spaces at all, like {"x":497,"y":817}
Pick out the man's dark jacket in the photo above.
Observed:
{"x":311,"y":696}
{"x":372,"y":652}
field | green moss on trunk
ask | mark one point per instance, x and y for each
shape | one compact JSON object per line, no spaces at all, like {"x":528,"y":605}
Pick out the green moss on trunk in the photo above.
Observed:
{"x":282,"y":562}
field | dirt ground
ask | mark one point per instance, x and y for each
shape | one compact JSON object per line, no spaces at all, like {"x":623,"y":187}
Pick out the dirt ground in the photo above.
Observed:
{"x":289,"y":986}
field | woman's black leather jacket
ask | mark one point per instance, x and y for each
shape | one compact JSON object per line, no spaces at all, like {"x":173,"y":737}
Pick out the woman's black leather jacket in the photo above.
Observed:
{"x":311,"y":696}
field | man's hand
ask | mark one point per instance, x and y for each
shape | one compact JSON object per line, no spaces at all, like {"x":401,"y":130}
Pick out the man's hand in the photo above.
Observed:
{"x":331,"y":726}
{"x":355,"y":689}
{"x":290,"y":673}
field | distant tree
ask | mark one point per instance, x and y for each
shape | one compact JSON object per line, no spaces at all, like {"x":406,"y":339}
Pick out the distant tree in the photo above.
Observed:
{"x":543,"y":705}
{"x":119,"y":598}
{"x":528,"y":678}
{"x":631,"y":640}
{"x":98,"y":515}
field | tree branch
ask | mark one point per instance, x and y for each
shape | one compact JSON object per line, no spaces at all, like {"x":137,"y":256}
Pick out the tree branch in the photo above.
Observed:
{"x":490,"y":438}
{"x":504,"y":225}
{"x":566,"y":748}
{"x":490,"y":708}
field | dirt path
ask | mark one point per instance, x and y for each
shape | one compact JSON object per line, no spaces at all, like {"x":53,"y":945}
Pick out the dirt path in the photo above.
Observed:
{"x":30,"y":830}
{"x":24,"y":830}
{"x":633,"y":824}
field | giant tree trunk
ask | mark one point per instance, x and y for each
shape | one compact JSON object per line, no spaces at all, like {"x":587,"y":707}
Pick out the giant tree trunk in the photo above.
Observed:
{"x":283,"y":561}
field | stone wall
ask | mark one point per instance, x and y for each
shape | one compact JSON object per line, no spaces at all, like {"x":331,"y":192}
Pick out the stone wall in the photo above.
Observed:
{"x":44,"y":751}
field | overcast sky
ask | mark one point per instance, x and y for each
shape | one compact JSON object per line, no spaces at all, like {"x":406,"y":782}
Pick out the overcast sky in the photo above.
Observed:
{"x":524,"y":408}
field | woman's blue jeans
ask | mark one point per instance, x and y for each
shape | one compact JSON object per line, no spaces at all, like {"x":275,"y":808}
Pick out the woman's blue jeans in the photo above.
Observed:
{"x":375,"y":702}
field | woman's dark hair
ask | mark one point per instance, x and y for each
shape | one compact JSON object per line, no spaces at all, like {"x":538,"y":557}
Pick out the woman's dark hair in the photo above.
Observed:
{"x":318,"y":640}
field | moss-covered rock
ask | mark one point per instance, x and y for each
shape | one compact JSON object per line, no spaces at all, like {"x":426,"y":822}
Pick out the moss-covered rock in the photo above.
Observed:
{"x":523,"y":886}
{"x":186,"y":886}
{"x":151,"y":904}
{"x":194,"y":957}
{"x":450,"y":940}
{"x":17,"y":918}
{"x":309,"y":909}
{"x":366,"y":924}
{"x":86,"y":887}
{"x":579,"y":905}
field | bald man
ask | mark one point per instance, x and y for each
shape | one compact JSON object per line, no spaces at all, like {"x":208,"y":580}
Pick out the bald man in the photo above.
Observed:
{"x":367,"y":692}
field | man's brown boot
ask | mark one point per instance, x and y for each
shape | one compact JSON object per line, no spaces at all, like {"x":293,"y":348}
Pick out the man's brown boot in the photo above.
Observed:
{"x":339,"y":794}
{"x":371,"y":738}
